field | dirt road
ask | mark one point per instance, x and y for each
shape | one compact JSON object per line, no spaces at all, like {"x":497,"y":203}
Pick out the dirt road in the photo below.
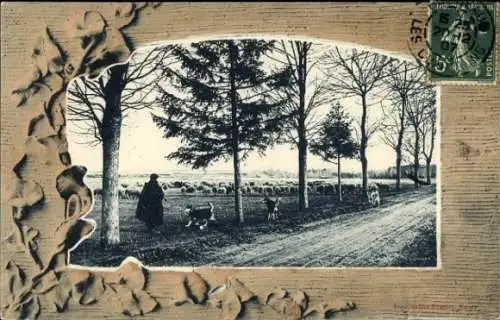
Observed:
{"x":371,"y":237}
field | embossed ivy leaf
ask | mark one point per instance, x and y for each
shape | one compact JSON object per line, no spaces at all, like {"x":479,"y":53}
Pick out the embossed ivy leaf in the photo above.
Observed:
{"x":128,"y":283}
{"x":130,"y":306}
{"x":216,"y":295}
{"x":73,"y":207}
{"x":12,"y":243}
{"x":196,"y":288}
{"x":39,"y":86}
{"x":54,"y":145}
{"x":70,"y":186}
{"x":275,"y":295}
{"x":288,"y":309}
{"x":130,"y":273}
{"x":112,"y":49}
{"x":281,"y":302}
{"x":32,"y":85}
{"x":225,"y":298}
{"x":30,"y":236}
{"x":146,"y":303}
{"x":327,"y":310}
{"x":231,"y":306}
{"x":89,"y":290}
{"x":55,"y":111}
{"x":46,"y":54}
{"x":86,"y":199}
{"x":60,"y":294}
{"x":27,"y":194}
{"x":46,"y":283}
{"x":13,"y":279}
{"x":36,"y":124}
{"x":76,"y":279}
{"x":37,"y":151}
{"x":52,"y":84}
{"x":300,"y":298}
{"x":130,"y":302}
{"x":88,"y":29}
{"x":70,"y":232}
{"x":70,"y":181}
{"x":124,"y":14}
{"x":244,"y":294}
{"x":28,"y":309}
{"x":83,"y":286}
{"x":90,"y":24}
{"x":42,"y":151}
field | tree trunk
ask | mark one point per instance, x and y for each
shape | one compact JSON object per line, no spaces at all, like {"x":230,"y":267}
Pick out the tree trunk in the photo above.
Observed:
{"x":429,"y":158}
{"x":303,"y":199}
{"x":339,"y":188}
{"x":398,"y":169}
{"x":111,"y":130}
{"x":302,"y":71}
{"x":416,"y":152}
{"x":363,"y":145}
{"x":233,"y":56}
{"x":428,"y":170}
{"x":400,"y":143}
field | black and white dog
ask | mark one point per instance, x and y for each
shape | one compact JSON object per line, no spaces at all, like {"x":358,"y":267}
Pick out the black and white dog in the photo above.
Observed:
{"x":373,"y":195}
{"x":201,"y":213}
{"x":272,"y":208}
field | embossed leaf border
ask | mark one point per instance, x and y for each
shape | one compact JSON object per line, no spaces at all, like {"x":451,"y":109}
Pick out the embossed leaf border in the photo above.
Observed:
{"x":101,"y":43}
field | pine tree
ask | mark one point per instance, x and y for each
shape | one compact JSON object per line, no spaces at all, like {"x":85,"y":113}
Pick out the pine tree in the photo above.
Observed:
{"x":219,"y":101}
{"x":335,"y":140}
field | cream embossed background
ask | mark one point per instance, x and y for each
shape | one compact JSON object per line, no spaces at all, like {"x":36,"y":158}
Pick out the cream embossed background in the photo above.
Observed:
{"x":43,"y":199}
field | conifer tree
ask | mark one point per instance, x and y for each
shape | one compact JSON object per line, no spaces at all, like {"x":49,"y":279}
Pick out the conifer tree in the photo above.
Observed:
{"x":218,"y":100}
{"x":335,"y":140}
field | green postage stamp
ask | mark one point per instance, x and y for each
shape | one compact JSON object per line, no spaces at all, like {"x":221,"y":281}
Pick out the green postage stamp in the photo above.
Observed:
{"x":461,"y":42}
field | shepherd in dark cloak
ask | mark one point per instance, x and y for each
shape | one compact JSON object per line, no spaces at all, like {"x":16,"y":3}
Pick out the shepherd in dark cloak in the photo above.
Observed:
{"x":150,"y":208}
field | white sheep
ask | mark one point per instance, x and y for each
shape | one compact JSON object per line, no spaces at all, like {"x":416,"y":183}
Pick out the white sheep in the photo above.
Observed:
{"x":221,"y":190}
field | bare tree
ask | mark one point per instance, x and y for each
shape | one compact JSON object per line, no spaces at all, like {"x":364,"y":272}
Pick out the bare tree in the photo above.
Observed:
{"x":419,"y":104}
{"x":402,"y":80}
{"x":304,"y":96}
{"x":428,"y":132}
{"x":97,"y":109}
{"x":355,"y":73}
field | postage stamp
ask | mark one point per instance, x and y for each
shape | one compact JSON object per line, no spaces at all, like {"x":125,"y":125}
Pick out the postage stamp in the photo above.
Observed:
{"x":461,"y":42}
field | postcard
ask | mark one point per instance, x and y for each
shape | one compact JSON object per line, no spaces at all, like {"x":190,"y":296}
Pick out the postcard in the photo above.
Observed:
{"x":250,"y":160}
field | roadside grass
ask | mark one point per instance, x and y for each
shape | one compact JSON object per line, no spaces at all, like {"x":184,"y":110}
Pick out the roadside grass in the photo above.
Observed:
{"x":422,"y":251}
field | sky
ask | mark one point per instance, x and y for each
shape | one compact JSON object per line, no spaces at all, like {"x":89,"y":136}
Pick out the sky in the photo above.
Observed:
{"x":143,"y":149}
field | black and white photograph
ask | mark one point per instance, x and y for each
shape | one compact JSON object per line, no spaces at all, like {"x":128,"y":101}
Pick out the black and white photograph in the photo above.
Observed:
{"x":259,"y":152}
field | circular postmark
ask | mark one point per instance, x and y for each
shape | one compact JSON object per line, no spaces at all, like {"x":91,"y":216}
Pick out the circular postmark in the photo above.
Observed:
{"x":458,"y":38}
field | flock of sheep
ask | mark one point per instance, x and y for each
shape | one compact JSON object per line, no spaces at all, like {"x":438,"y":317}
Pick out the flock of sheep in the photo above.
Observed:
{"x":281,"y":188}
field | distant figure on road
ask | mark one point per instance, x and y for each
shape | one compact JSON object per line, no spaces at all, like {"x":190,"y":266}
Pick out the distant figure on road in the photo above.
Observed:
{"x":150,"y":208}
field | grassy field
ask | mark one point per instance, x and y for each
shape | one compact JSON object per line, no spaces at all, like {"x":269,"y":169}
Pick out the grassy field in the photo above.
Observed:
{"x":176,"y":245}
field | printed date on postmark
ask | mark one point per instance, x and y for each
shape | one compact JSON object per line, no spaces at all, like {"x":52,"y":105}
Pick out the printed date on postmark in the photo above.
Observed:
{"x":460,"y":42}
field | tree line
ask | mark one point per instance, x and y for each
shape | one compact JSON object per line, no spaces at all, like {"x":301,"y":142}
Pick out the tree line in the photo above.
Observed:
{"x":227,"y":98}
